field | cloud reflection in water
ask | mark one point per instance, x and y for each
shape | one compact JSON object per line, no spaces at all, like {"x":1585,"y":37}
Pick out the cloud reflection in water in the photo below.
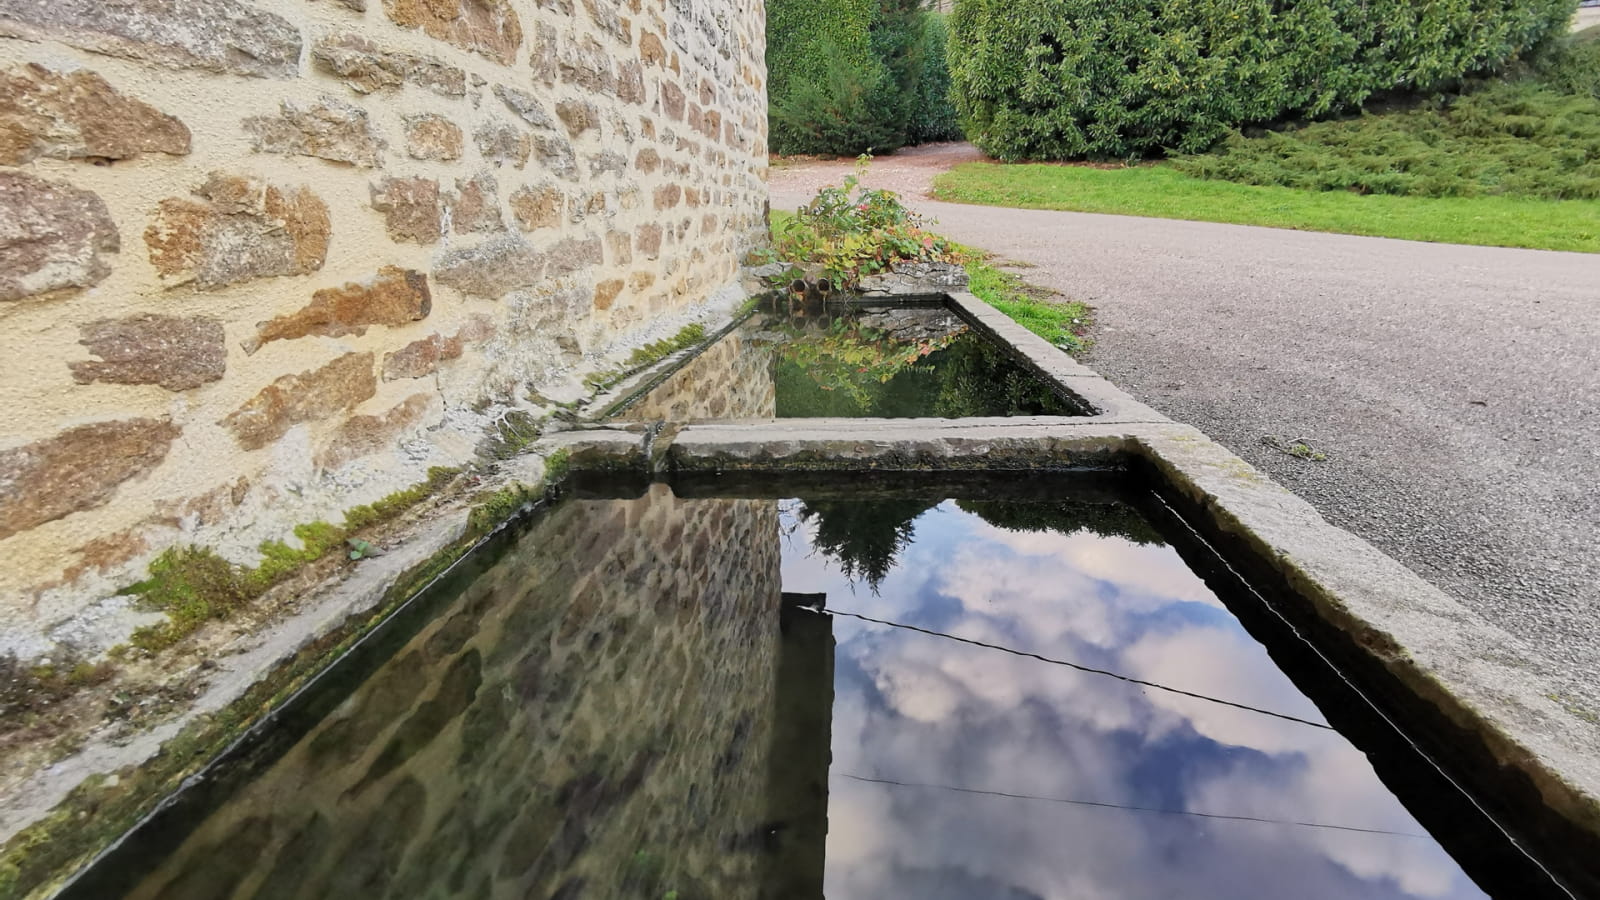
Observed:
{"x":911,"y":707}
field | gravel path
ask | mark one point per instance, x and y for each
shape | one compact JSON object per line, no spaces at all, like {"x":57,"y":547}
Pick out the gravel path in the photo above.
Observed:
{"x":1456,"y":390}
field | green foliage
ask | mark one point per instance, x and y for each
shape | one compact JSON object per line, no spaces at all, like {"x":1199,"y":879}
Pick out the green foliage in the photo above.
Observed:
{"x":556,"y":467}
{"x":1517,"y":139}
{"x":1061,"y":323}
{"x":1160,"y":190}
{"x":853,"y":76}
{"x":1066,"y":517}
{"x":496,"y":508}
{"x":513,"y":433}
{"x":1068,"y":79}
{"x":194,"y":585}
{"x":1571,"y":65}
{"x":846,"y":370}
{"x":654,"y":352}
{"x":380,"y":511}
{"x":850,"y":231}
{"x":933,"y":114}
{"x":865,"y":538}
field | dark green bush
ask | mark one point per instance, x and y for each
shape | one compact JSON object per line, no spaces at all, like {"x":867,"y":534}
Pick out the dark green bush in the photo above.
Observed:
{"x":933,"y":118}
{"x":847,"y":77}
{"x":1064,"y":79}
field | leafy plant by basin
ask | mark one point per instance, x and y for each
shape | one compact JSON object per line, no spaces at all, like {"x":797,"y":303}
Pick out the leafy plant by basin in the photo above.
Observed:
{"x":847,"y":231}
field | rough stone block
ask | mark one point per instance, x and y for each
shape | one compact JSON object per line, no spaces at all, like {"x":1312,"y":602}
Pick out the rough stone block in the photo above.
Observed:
{"x":672,"y":100}
{"x":364,"y":435}
{"x":619,"y":244}
{"x":242,"y":229}
{"x":338,"y":386}
{"x":648,"y":161}
{"x":52,"y":236}
{"x":420,"y":358}
{"x":572,"y":254}
{"x":630,"y":82}
{"x":647,"y":240}
{"x":366,"y":67}
{"x":395,"y":297}
{"x":77,"y":469}
{"x":668,"y":196}
{"x":216,"y":35}
{"x":542,"y":53}
{"x":329,"y":129}
{"x":78,"y":115}
{"x":489,"y":28}
{"x":526,"y":106}
{"x":651,"y":52}
{"x":605,"y":293}
{"x":491,"y":269}
{"x":175,"y":352}
{"x":475,"y":206}
{"x":578,"y":115}
{"x":413,"y":209}
{"x":500,"y":143}
{"x":435,"y":137}
{"x":538,"y":207}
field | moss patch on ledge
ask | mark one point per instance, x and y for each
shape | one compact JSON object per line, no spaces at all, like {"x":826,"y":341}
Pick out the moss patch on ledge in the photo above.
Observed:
{"x":194,"y":585}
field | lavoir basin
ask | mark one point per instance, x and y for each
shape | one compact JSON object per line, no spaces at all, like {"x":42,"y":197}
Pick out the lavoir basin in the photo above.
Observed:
{"x":997,"y":686}
{"x":846,"y":360}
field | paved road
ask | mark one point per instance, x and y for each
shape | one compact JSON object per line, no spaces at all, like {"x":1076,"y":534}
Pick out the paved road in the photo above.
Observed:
{"x":1455,"y":389}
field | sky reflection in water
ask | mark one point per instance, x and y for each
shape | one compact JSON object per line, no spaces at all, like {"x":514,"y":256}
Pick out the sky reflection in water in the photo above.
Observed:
{"x":910,"y":707}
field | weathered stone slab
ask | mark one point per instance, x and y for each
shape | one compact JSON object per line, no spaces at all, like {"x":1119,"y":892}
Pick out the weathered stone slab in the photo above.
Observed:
{"x":475,"y":205}
{"x":493,"y":268}
{"x":242,"y":229}
{"x":915,"y":279}
{"x":413,"y":209}
{"x":78,"y":469}
{"x":78,"y":115}
{"x":420,"y":358}
{"x":538,"y":207}
{"x":175,"y":352}
{"x":435,"y":137}
{"x":500,"y":143}
{"x":395,"y":297}
{"x":52,"y":236}
{"x":216,"y":35}
{"x":489,"y":28}
{"x":366,"y":67}
{"x":329,"y":129}
{"x":316,"y":394}
{"x":364,"y":435}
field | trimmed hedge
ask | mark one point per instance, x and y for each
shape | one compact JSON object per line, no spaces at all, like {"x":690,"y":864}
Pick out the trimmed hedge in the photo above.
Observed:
{"x":934,"y":116}
{"x":1066,"y":79}
{"x":850,"y":76}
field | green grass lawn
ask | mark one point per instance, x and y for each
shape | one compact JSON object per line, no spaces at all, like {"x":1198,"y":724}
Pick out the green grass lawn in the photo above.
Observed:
{"x":1162,"y":191}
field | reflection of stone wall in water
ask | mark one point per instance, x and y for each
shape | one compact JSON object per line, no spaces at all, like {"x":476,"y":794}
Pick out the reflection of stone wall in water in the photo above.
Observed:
{"x":590,"y":718}
{"x":732,"y":379}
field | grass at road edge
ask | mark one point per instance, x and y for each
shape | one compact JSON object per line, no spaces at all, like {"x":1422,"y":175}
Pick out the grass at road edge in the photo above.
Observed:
{"x":1064,"y":323}
{"x":1162,"y":192}
{"x":1061,"y":322}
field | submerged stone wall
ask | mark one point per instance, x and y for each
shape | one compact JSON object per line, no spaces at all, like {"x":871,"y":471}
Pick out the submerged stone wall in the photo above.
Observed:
{"x":264,"y":260}
{"x":592,"y":717}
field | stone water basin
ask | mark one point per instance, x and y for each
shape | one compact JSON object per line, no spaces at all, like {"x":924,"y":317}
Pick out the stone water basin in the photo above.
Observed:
{"x":977,"y":687}
{"x":845,"y":360}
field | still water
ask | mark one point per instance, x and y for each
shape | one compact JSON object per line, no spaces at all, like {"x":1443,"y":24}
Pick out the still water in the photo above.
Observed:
{"x":851,"y":362}
{"x":860,"y":694}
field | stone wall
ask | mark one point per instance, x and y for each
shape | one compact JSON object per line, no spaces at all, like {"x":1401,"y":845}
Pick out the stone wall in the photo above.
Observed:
{"x":592,"y":717}
{"x":264,"y":260}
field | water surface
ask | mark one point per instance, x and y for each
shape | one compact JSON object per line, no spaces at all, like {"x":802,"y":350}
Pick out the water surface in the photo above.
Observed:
{"x":860,"y":693}
{"x":893,"y":362}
